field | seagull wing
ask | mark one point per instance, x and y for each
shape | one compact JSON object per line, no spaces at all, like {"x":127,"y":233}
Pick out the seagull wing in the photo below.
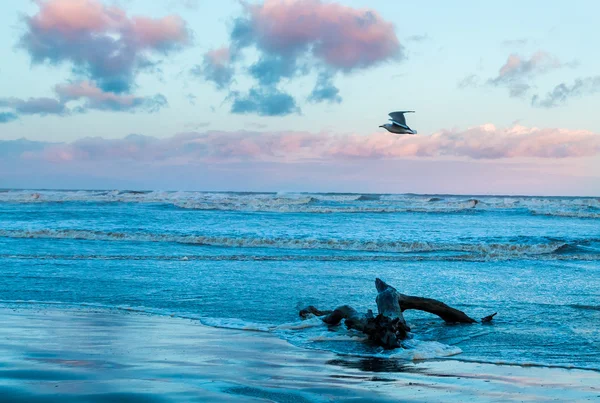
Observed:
{"x":400,"y":124}
{"x":398,"y":117}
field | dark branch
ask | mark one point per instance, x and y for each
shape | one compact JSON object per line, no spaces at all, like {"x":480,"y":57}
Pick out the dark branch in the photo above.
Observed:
{"x":388,"y":328}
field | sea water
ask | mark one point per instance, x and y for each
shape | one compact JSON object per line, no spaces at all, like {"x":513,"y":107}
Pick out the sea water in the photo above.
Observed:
{"x":252,"y":260}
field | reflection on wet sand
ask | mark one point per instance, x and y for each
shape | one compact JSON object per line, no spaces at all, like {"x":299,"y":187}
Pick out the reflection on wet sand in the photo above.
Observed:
{"x":72,"y":355}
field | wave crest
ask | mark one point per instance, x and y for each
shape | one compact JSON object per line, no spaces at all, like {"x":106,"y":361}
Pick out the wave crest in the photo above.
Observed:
{"x":489,"y":250}
{"x":570,"y":207}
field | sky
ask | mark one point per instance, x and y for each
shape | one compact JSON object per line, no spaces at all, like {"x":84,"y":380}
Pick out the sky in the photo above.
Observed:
{"x":288,"y":95}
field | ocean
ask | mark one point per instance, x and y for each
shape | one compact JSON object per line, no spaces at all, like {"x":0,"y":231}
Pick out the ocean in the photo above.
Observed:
{"x":250,"y":261}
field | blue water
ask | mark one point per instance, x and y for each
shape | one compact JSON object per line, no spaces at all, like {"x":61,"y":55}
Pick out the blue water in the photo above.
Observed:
{"x":247,"y":260}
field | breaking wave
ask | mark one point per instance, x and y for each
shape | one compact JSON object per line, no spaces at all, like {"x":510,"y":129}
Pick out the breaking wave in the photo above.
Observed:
{"x":571,"y":214}
{"x":282,"y":202}
{"x":368,"y":198}
{"x":309,"y":258}
{"x":498,"y":250}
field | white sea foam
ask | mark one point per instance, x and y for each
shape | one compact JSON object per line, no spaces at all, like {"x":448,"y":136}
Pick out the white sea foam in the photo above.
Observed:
{"x":327,"y":337}
{"x":490,"y":250}
{"x":309,"y":257}
{"x":414,"y":349}
{"x":320,"y":203}
{"x":410,"y":350}
{"x":237,"y":324}
{"x":303,"y":324}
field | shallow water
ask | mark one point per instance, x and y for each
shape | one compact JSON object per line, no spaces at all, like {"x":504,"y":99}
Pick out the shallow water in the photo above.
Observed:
{"x":103,"y":355}
{"x":251,"y":261}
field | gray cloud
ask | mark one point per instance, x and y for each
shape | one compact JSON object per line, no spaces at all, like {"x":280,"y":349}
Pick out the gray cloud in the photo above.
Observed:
{"x":267,"y":101}
{"x":34,"y":106}
{"x":191,"y":98}
{"x":216,"y":67}
{"x":470,"y":81}
{"x":563,"y":92}
{"x":15,"y":148}
{"x":517,"y":72}
{"x":92,"y":97}
{"x":418,"y":38}
{"x":95,"y":98}
{"x":271,"y":69}
{"x":325,"y":90}
{"x":6,"y":117}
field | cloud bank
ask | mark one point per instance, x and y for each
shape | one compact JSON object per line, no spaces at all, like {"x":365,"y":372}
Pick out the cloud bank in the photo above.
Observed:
{"x":485,"y":142}
{"x":294,"y":38}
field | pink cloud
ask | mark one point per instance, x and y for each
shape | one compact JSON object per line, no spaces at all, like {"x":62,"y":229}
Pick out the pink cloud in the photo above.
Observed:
{"x":485,"y":142}
{"x":159,"y":33}
{"x":517,"y":72}
{"x":101,"y":41}
{"x":220,"y":56}
{"x":293,"y":38}
{"x":538,"y":62}
{"x":87,"y":89}
{"x":97,"y":98}
{"x":216,"y":67}
{"x":343,"y":37}
{"x":71,"y":17}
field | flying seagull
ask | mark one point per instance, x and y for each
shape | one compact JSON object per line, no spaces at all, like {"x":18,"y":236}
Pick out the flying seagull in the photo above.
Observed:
{"x":398,"y":124}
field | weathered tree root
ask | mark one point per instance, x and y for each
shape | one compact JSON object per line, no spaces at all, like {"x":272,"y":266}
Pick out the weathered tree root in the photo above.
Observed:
{"x":388,"y":328}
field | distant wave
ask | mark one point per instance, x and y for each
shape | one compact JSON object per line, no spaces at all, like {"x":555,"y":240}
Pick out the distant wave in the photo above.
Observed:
{"x":313,"y":258}
{"x":572,"y":214}
{"x":368,"y":197}
{"x":318,"y":209}
{"x":323,"y":203}
{"x":586,"y":307}
{"x":487,"y":250}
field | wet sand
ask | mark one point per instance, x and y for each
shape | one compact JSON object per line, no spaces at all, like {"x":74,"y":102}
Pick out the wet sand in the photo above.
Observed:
{"x":71,"y":355}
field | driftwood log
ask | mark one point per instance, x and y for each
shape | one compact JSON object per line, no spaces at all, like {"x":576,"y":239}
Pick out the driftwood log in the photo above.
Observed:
{"x":389,"y":327}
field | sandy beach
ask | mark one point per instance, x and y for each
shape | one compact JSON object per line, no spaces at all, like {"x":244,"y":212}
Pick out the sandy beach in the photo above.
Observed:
{"x":61,"y":355}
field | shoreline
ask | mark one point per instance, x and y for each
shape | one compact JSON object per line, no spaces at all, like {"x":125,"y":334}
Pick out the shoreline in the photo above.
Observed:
{"x":96,"y":354}
{"x":266,"y":330}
